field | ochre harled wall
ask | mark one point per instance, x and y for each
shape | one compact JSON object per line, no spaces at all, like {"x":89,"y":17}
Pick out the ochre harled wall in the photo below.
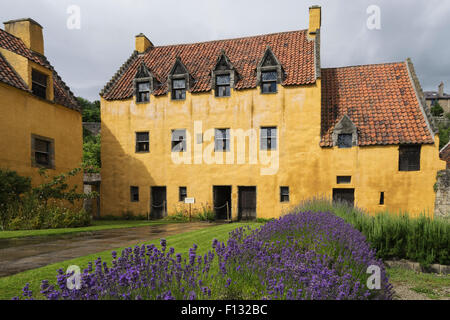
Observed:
{"x":21,"y":115}
{"x":304,"y":166}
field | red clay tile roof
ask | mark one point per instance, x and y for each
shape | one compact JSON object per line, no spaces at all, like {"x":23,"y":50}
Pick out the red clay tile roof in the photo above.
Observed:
{"x":444,"y":154}
{"x":62,"y":93}
{"x":379,"y":99}
{"x":294,"y":51}
{"x":9,"y":76}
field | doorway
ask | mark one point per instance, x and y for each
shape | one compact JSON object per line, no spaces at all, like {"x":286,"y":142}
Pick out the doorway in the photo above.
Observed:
{"x":247,"y":203}
{"x":222,"y":197}
{"x":344,"y":196}
{"x":158,"y":202}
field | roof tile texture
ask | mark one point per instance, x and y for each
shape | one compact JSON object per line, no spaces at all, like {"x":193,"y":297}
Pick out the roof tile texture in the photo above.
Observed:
{"x":379,"y":99}
{"x":293,"y":49}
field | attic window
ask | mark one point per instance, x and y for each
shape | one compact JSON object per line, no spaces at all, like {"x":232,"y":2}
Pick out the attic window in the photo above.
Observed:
{"x":179,"y":89}
{"x":269,"y":81}
{"x":409,"y":158}
{"x":345,"y":140}
{"x":39,"y":84}
{"x":223,"y":85}
{"x":143,"y":91}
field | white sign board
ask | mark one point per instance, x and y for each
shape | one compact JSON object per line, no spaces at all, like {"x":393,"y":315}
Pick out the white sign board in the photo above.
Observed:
{"x":189,"y":200}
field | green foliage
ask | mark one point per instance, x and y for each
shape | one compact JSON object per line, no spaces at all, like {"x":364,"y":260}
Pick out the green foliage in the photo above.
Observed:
{"x":444,"y":135}
{"x":421,"y":239}
{"x":91,"y":152}
{"x":91,"y":110}
{"x":43,"y":206}
{"x":12,"y":186}
{"x":437,"y":110}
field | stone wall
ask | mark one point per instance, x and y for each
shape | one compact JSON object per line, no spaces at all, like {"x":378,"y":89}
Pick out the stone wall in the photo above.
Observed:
{"x":442,"y":188}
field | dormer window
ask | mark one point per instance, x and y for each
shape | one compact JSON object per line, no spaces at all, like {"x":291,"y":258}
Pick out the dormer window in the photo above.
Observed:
{"x":345,"y":133}
{"x":223,"y":85}
{"x":179,"y":80}
{"x":39,"y":84}
{"x":143,"y":91}
{"x":269,"y":72}
{"x":223,"y":76}
{"x":144,"y":84}
{"x":268,"y":81}
{"x":179,"y":89}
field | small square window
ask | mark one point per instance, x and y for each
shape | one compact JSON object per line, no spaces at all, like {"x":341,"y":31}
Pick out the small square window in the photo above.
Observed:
{"x":182,"y":194}
{"x":222,"y":140}
{"x":345,"y":140}
{"x":409,"y":158}
{"x":179,"y":140}
{"x":42,"y":150}
{"x":268,"y":138}
{"x":284,"y":194}
{"x":142,"y":142}
{"x":134,"y":194}
{"x":39,"y":84}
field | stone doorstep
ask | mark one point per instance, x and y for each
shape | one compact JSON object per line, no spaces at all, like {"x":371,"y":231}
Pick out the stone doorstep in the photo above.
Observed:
{"x":433,"y":268}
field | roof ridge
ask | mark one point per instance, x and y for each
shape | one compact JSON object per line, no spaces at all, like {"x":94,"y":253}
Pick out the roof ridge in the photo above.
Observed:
{"x":228,"y":39}
{"x":364,"y":65}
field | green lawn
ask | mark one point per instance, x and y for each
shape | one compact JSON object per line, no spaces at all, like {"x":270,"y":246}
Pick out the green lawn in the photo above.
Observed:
{"x":434,"y":286}
{"x":96,"y":225}
{"x":12,"y":286}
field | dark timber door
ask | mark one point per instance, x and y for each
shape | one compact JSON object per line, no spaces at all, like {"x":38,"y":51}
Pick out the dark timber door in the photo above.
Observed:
{"x":344,"y":195}
{"x":247,"y":203}
{"x":222,"y":196}
{"x":158,"y":202}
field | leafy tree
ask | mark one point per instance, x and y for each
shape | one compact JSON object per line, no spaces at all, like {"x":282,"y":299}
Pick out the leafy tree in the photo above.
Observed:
{"x":91,"y":110}
{"x":91,"y":153}
{"x":437,"y":110}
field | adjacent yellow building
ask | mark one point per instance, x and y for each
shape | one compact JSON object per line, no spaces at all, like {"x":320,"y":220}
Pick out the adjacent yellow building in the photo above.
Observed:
{"x":40,"y":119}
{"x":252,"y":126}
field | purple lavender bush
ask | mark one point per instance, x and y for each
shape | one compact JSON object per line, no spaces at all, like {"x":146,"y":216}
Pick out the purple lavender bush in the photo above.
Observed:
{"x":302,"y":255}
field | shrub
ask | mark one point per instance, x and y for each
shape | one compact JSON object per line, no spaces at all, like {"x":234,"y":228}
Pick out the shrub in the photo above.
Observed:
{"x":42,"y":207}
{"x":421,"y":239}
{"x":437,"y":110}
{"x":303,"y":255}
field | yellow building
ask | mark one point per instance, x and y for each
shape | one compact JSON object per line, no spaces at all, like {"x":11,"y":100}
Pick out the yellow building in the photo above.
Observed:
{"x":40,"y":119}
{"x":255,"y":125}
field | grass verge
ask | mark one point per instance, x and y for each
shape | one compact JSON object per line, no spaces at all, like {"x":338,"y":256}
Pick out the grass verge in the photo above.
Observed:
{"x":433,"y":286}
{"x":96,"y":226}
{"x":11,"y":286}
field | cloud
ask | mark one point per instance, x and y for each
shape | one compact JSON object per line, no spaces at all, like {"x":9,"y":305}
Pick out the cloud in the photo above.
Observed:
{"x":87,"y":58}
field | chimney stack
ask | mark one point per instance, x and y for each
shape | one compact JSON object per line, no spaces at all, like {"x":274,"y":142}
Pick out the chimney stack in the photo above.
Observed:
{"x":441,"y":89}
{"x":29,"y":31}
{"x":142,"y":43}
{"x":315,"y":19}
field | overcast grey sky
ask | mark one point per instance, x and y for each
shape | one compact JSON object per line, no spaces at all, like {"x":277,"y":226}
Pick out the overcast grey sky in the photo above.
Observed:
{"x":87,"y":58}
